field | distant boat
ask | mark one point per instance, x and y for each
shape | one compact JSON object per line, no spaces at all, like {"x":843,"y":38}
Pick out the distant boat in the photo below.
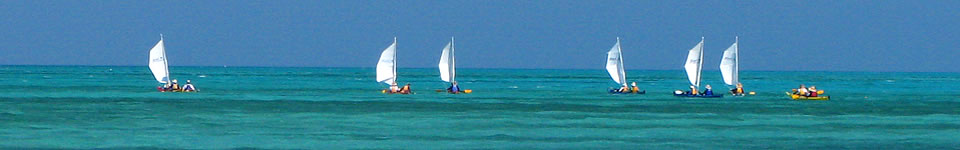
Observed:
{"x":448,"y":65}
{"x":693,"y":67}
{"x":158,"y":63}
{"x":730,"y":65}
{"x":615,"y":67}
{"x":387,"y":66}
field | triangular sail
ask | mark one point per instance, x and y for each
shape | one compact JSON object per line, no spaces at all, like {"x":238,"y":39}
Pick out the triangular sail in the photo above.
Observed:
{"x":158,"y":62}
{"x":729,"y":66}
{"x":387,"y":67}
{"x":448,"y":67}
{"x":615,"y":64}
{"x":694,"y":64}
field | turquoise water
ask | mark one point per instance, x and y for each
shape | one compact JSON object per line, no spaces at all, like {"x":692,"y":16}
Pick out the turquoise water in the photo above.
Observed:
{"x":342,"y":108}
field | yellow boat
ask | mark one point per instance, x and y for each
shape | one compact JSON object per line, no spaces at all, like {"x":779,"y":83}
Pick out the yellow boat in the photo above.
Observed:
{"x":798,"y":97}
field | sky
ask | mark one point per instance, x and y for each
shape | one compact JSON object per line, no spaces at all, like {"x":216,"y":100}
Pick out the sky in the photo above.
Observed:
{"x":781,"y":35}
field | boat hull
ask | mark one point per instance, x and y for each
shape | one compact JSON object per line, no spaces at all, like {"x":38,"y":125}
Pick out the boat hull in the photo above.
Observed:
{"x":615,"y":92}
{"x":698,"y":96}
{"x":818,"y":98}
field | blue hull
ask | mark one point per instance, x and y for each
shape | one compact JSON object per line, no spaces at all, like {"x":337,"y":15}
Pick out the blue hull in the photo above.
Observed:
{"x":699,"y":96}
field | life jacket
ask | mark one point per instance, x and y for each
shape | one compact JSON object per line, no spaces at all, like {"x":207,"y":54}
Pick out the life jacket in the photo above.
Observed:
{"x":739,"y":90}
{"x":812,"y":94}
{"x":635,"y":89}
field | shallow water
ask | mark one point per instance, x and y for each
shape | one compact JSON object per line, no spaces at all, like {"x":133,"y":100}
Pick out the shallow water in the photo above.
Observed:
{"x":79,"y":107}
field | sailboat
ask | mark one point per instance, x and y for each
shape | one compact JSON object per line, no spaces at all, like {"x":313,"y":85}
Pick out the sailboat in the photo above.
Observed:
{"x":693,"y":67}
{"x":448,"y":67}
{"x":158,"y":64}
{"x":615,"y":68}
{"x":387,"y":67}
{"x":730,"y":66}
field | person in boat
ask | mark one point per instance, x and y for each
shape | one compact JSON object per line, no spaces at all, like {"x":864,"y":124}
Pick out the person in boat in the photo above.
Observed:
{"x":173,"y":86}
{"x":801,"y":91}
{"x":812,"y":91}
{"x":634,"y":89}
{"x":454,"y":88}
{"x":405,"y":89}
{"x":394,"y":88}
{"x":738,"y":90}
{"x":623,"y":89}
{"x":693,"y":90}
{"x":189,"y":87}
{"x":708,"y":91}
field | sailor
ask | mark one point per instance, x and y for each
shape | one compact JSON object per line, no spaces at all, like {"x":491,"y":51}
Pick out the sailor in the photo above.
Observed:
{"x":738,"y":90}
{"x":802,"y":90}
{"x":634,"y":89}
{"x":405,"y":89}
{"x":693,"y":90}
{"x":454,"y":88}
{"x":394,"y":88}
{"x":174,"y":86}
{"x":623,"y":89}
{"x":189,"y":87}
{"x":708,"y":91}
{"x":812,"y":91}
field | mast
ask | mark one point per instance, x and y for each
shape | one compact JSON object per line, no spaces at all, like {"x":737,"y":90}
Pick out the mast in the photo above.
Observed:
{"x":395,"y":61}
{"x":453,"y":61}
{"x":700,"y":65}
{"x":166,"y":67}
{"x":737,"y":60}
{"x":623,"y":74}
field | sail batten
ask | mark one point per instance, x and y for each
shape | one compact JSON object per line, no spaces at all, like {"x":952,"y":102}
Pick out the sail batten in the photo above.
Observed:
{"x":729,"y":66}
{"x":694,"y":64}
{"x":615,"y":64}
{"x":386,"y":67}
{"x":158,"y":62}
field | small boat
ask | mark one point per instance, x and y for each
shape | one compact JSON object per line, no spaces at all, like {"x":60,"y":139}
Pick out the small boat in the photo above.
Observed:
{"x":615,"y":69}
{"x":693,"y":67}
{"x":387,"y":67}
{"x":158,"y":65}
{"x":798,"y":97}
{"x":448,"y":67}
{"x":730,"y":66}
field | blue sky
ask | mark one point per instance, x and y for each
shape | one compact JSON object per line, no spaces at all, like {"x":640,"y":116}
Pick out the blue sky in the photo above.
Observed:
{"x":774,"y":35}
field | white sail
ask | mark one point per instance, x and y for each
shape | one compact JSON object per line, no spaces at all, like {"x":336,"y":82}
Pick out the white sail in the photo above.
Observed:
{"x":615,"y":64}
{"x":729,"y":66}
{"x":387,"y":67}
{"x":448,"y":67}
{"x":694,"y":63}
{"x":158,"y":62}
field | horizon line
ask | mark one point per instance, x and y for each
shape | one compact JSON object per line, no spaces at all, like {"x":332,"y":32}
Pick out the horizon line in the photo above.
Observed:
{"x":508,"y":68}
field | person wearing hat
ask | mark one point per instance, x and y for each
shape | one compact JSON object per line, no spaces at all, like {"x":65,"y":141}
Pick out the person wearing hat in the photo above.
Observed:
{"x":634,"y":89}
{"x":738,"y":90}
{"x":708,"y":91}
{"x":189,"y":87}
{"x":394,"y":88}
{"x":173,"y":86}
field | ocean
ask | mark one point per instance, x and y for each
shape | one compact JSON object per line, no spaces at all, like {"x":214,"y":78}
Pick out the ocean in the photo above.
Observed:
{"x":91,"y":107}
